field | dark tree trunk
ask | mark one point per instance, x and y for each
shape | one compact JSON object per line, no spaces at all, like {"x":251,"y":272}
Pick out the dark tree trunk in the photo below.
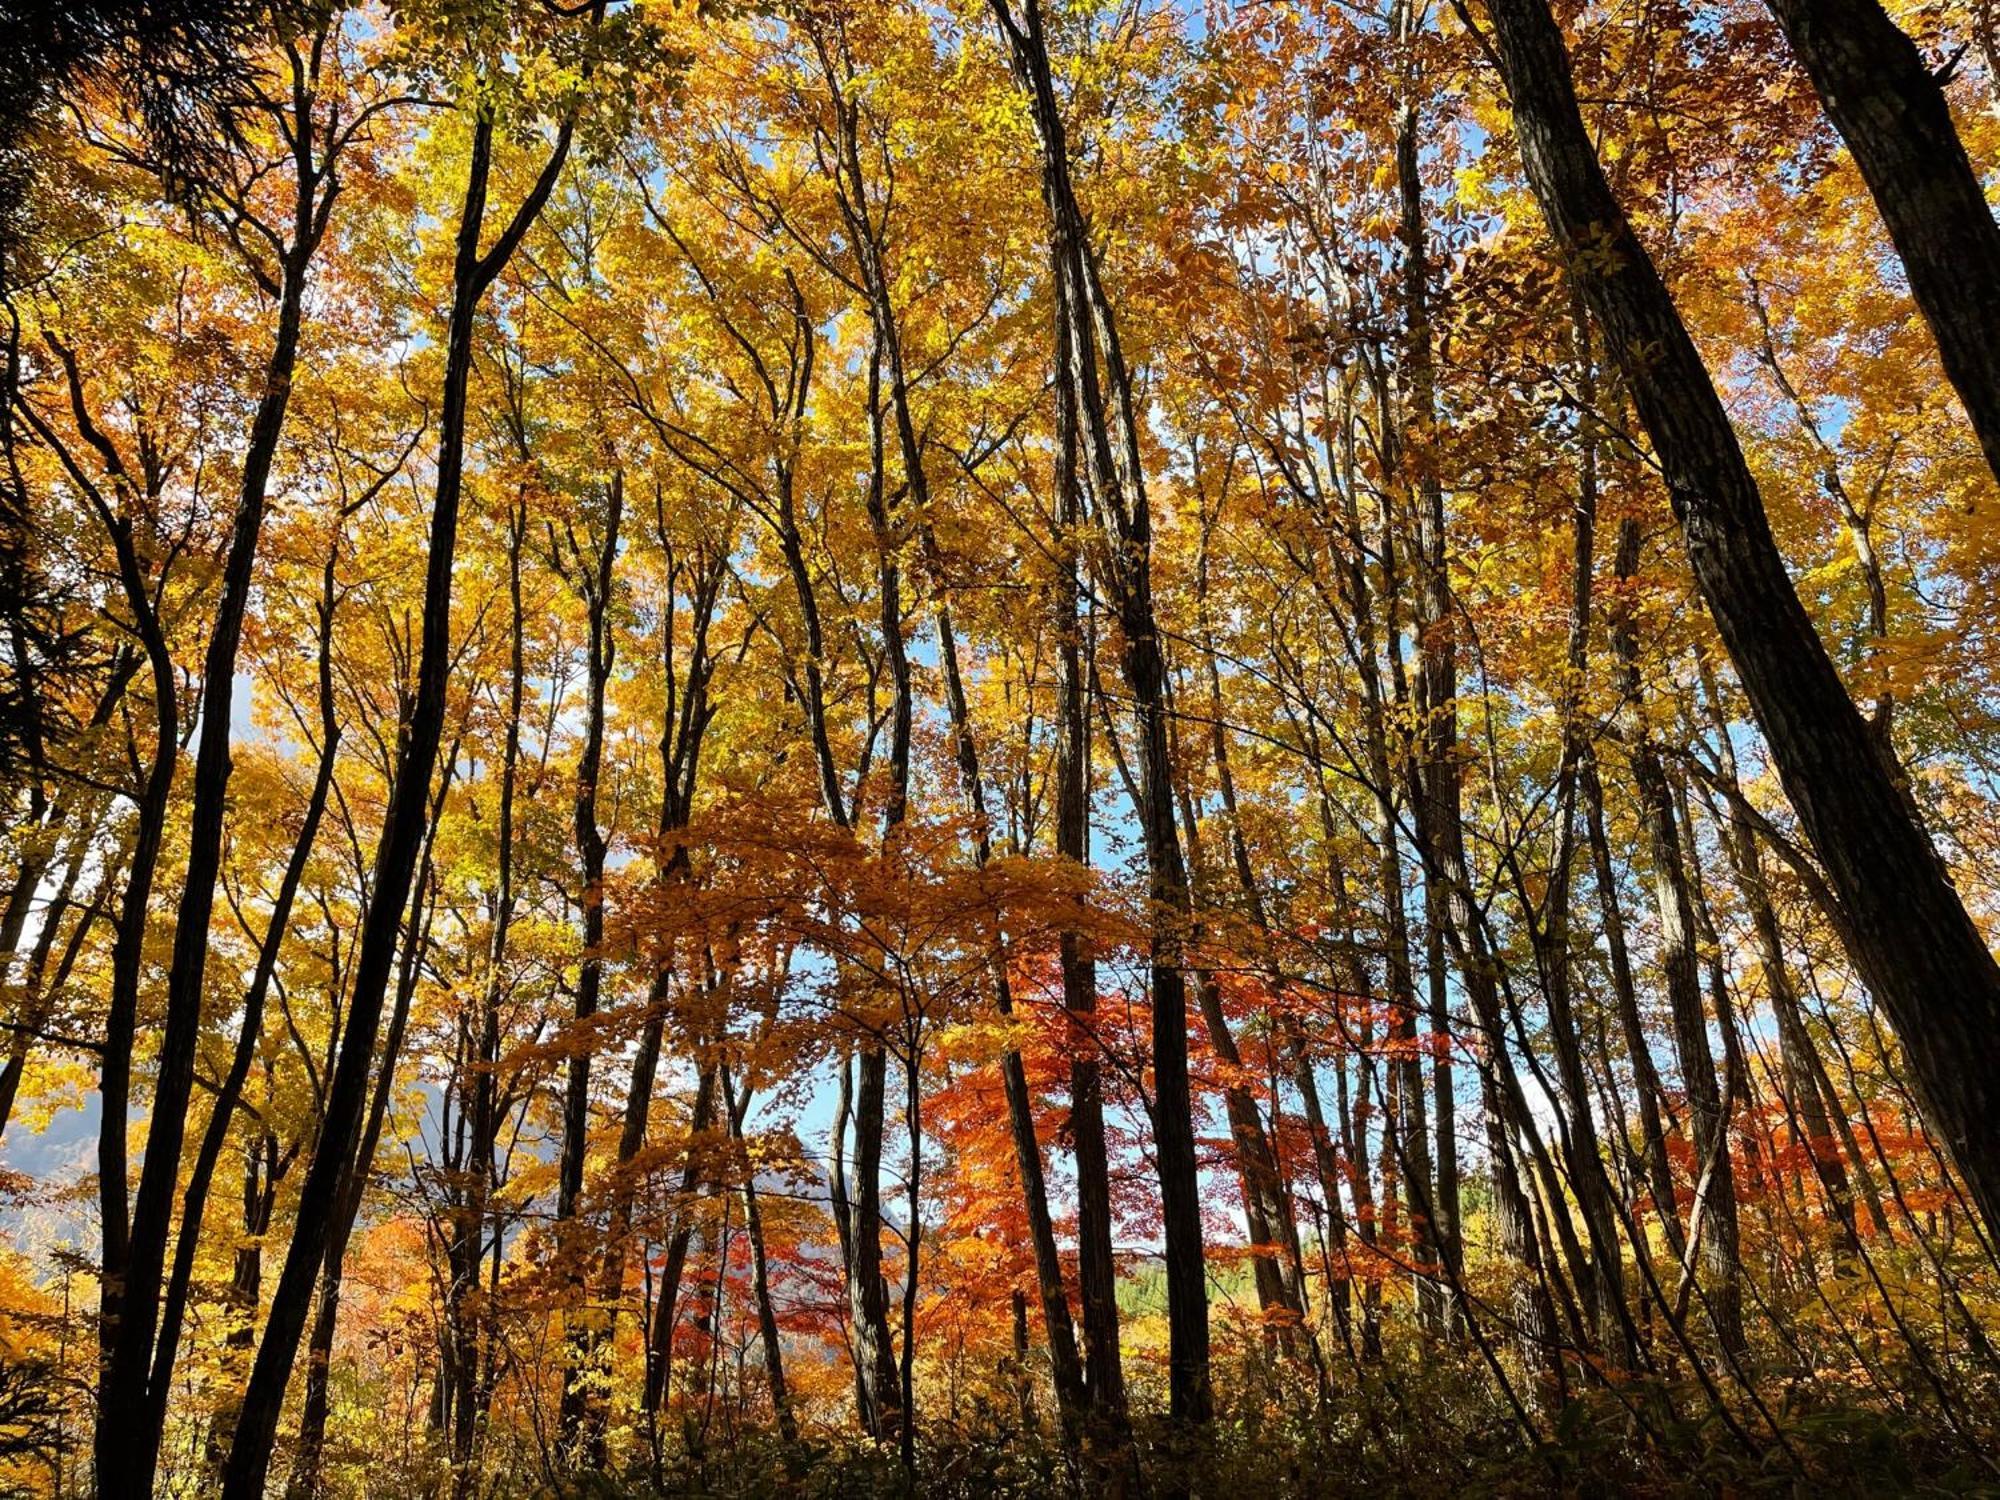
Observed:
{"x":307,"y":1481}
{"x":1438,"y":790}
{"x":402,"y":831}
{"x":882,"y":1414}
{"x":1795,"y":1045}
{"x":127,"y":1448}
{"x":1097,"y":1271}
{"x":1889,"y":107}
{"x":1653,"y":1162}
{"x":1065,"y":1368}
{"x":760,"y":1273}
{"x":686,"y":718}
{"x":1708,"y":1105}
{"x":1267,"y":1211}
{"x":34,"y":984}
{"x":130,"y":1412}
{"x":249,"y":1038}
{"x":1907,"y":930}
{"x":1109,"y":434}
{"x":466,"y":1249}
{"x":660,"y":1339}
{"x":1589,"y":1178}
{"x":590,"y":575}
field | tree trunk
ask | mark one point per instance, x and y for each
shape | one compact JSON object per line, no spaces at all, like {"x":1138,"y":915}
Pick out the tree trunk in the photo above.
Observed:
{"x":128,"y":1429}
{"x":760,"y":1274}
{"x":249,"y":1037}
{"x":1109,"y":431}
{"x":402,"y":830}
{"x":1267,"y":1211}
{"x":306,"y":1480}
{"x":1057,"y":1326}
{"x":1795,"y":1046}
{"x":1889,"y":106}
{"x":686,"y":720}
{"x":466,"y":1249}
{"x":1708,"y":1105}
{"x":1097,"y":1271}
{"x":1907,"y":930}
{"x":1653,"y":1163}
{"x":1587,"y":1171}
{"x":660,"y":1340}
{"x":591,"y":579}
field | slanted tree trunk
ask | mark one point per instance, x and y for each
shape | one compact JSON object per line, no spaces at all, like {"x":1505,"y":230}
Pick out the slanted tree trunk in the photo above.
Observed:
{"x":1795,"y":1045}
{"x":465,"y":1250}
{"x":1267,"y":1212}
{"x":660,"y":1339}
{"x":882,"y":1415}
{"x":1065,"y":1369}
{"x":1889,"y":106}
{"x":1097,"y":1272}
{"x":1437,"y":790}
{"x":307,"y":1480}
{"x":1907,"y":930}
{"x":35,"y":985}
{"x":1589,"y":1178}
{"x":760,"y":1272}
{"x":1715,"y":1182}
{"x":1652,"y":1151}
{"x":685,"y":722}
{"x":128,"y":1431}
{"x":250,"y":1037}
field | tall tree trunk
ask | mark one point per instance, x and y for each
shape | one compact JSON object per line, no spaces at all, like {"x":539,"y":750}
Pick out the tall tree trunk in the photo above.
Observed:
{"x":1267,"y":1211}
{"x":1653,"y":1163}
{"x":1907,"y":930}
{"x":1110,"y":437}
{"x":250,"y":1035}
{"x":402,"y":830}
{"x":660,"y":1338}
{"x":684,"y":723}
{"x":590,"y":576}
{"x":1280,"y":1207}
{"x":882,"y":1413}
{"x":1097,"y":1272}
{"x":760,"y":1273}
{"x":129,"y":1433}
{"x":1065,"y":1368}
{"x":1795,"y":1045}
{"x":307,"y":1481}
{"x":465,"y":1251}
{"x":1889,"y":106}
{"x":1438,"y":785}
{"x":1715,"y":1197}
{"x":1589,"y":1179}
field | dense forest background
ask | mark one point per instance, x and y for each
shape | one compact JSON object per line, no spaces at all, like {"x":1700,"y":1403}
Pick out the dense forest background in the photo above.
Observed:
{"x":985,"y":747}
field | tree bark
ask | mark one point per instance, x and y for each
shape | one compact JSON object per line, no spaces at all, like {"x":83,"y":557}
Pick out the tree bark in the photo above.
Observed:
{"x":1907,"y":930}
{"x":760,"y":1273}
{"x":1715,"y":1182}
{"x":1108,"y":437}
{"x":402,"y":829}
{"x":1889,"y":106}
{"x":128,"y":1433}
{"x":1065,"y":1368}
{"x":1588,"y":1176}
{"x":306,"y":1481}
{"x":591,"y":579}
